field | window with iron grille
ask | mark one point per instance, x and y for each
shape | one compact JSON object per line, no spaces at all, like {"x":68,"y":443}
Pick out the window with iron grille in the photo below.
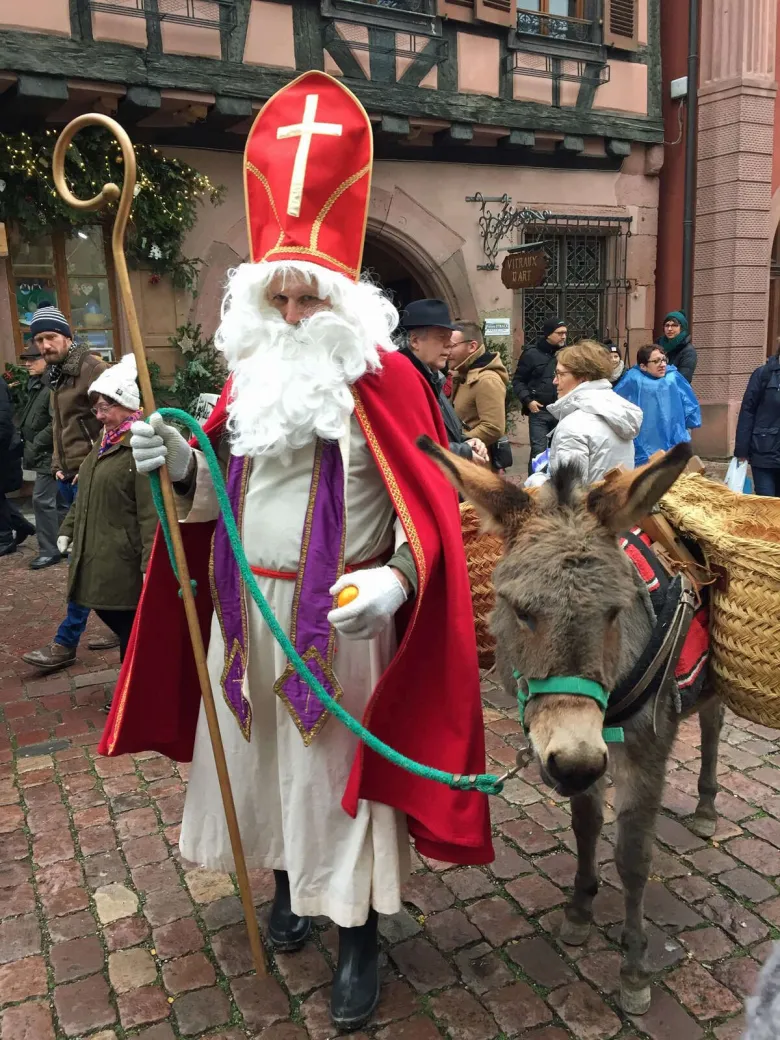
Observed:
{"x":558,"y":19}
{"x":585,"y":284}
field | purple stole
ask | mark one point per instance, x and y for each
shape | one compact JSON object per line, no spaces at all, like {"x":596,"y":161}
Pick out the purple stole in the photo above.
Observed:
{"x":321,"y":563}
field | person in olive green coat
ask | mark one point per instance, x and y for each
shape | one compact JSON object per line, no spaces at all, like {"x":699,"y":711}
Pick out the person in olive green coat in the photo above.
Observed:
{"x":110,"y":528}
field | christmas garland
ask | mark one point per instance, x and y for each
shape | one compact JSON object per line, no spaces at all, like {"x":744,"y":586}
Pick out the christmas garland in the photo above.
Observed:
{"x":167,"y":191}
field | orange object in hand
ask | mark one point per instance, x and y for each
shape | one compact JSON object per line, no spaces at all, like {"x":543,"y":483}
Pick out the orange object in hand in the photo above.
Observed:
{"x":347,"y":595}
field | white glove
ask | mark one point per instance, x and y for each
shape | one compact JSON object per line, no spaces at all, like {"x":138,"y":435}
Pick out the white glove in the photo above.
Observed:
{"x":155,"y":443}
{"x":380,"y":594}
{"x":63,"y":545}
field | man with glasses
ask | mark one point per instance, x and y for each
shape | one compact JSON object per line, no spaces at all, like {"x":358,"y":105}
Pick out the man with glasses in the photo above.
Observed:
{"x":72,"y":369}
{"x":667,"y":400}
{"x":428,"y":329}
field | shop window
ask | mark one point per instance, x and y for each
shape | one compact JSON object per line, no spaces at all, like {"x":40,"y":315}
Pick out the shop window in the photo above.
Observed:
{"x":72,"y":271}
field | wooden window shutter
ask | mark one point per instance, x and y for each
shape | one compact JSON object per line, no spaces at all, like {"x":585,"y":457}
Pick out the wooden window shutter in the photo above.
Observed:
{"x":460,"y":10}
{"x":621,"y":19}
{"x":499,"y":12}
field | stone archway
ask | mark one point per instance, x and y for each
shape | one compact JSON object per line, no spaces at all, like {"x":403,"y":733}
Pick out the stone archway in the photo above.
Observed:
{"x":432,"y":255}
{"x":427,"y":263}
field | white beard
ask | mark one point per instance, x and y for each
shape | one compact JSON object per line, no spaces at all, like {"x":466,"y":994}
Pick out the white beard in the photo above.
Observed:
{"x":291,"y":383}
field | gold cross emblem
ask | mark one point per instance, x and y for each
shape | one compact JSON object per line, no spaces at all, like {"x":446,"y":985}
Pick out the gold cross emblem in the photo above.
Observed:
{"x":305,"y":130}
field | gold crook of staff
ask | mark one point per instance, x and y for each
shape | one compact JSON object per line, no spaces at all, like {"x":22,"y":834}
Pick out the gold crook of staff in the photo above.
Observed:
{"x":111,"y":193}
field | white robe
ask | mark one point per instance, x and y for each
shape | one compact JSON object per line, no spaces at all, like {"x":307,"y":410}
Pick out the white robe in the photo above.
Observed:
{"x":288,"y":796}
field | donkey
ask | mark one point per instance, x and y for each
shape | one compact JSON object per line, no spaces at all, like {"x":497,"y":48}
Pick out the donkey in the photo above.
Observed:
{"x":570,"y":606}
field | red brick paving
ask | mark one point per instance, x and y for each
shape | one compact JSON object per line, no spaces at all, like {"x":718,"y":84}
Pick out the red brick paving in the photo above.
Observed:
{"x":104,"y":932}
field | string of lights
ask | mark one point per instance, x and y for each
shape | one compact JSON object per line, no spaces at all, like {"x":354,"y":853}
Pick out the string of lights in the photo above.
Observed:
{"x":167,"y":195}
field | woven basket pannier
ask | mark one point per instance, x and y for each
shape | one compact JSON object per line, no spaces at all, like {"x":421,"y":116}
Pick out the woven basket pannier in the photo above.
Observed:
{"x":740,"y":536}
{"x":482,"y":554}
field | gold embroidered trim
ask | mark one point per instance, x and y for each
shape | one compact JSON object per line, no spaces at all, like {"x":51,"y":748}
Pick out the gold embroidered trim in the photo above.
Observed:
{"x":245,"y":727}
{"x":306,"y":251}
{"x":315,"y":231}
{"x":401,"y":508}
{"x":312,"y":653}
{"x":264,"y":181}
{"x":119,"y":715}
{"x":402,"y":511}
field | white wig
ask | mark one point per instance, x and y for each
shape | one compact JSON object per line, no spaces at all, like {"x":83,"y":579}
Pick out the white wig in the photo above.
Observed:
{"x":292,"y":382}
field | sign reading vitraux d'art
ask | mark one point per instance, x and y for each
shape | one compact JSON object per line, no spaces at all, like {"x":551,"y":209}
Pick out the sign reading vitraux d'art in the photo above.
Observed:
{"x":524,"y":268}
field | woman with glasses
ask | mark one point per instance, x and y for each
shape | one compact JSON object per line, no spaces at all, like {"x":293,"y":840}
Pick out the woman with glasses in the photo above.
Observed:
{"x":111,"y":525}
{"x":667,"y":400}
{"x":596,"y":428}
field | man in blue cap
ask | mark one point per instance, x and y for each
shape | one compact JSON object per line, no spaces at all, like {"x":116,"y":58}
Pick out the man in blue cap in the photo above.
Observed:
{"x":72,"y":368}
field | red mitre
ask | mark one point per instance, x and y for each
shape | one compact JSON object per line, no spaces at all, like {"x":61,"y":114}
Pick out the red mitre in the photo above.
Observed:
{"x":307,"y":176}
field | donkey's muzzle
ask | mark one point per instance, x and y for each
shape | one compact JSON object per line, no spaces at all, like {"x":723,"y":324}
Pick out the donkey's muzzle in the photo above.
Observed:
{"x":574,"y":773}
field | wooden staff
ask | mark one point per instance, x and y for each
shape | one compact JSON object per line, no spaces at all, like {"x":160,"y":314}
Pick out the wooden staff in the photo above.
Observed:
{"x":111,"y":193}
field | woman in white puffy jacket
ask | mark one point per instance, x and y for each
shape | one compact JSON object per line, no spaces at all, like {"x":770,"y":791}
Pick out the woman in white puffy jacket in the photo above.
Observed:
{"x":596,"y":427}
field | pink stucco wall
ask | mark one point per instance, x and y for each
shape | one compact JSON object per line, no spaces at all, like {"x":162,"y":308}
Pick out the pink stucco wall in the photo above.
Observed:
{"x":50,"y":16}
{"x":119,"y":28}
{"x":478,"y":58}
{"x":642,"y":16}
{"x":191,"y":39}
{"x":269,"y":36}
{"x":532,"y":88}
{"x":626,"y":90}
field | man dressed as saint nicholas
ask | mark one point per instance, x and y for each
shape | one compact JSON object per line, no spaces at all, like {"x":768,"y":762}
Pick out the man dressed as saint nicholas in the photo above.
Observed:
{"x":316,"y":430}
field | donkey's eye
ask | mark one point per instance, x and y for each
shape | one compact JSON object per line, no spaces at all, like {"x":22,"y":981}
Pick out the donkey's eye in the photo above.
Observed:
{"x":525,"y":618}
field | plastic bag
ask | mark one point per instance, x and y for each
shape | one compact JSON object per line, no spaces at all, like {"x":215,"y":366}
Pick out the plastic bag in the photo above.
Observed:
{"x":541,"y":461}
{"x":736,"y":475}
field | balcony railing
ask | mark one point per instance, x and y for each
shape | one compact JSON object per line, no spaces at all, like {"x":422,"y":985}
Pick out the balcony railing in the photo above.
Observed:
{"x":209,"y":14}
{"x":419,"y":15}
{"x":555,"y":26}
{"x":413,"y":6}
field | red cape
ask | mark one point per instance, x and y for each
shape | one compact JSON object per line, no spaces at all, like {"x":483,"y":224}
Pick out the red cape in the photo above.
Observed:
{"x":427,"y":704}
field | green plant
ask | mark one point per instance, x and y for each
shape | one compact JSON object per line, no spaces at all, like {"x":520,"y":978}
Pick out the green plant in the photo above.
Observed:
{"x":165,"y":207}
{"x":503,"y":347}
{"x":16,"y":376}
{"x":203,"y":370}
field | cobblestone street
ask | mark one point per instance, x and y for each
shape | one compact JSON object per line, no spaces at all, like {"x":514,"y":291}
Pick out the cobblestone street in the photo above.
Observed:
{"x":106,"y":934}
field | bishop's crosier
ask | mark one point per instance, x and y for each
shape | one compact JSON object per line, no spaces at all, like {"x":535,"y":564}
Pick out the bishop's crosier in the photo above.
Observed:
{"x":316,"y":429}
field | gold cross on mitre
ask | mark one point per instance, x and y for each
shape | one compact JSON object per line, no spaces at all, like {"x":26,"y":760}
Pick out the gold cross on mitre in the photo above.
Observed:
{"x":305,"y":130}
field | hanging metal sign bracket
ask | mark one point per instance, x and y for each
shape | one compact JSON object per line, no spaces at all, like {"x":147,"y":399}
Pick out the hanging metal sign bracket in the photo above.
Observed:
{"x":494,"y":227}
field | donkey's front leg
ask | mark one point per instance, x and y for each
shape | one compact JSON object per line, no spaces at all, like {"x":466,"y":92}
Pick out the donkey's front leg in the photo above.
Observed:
{"x":587,"y":818}
{"x":705,"y":819}
{"x":639,"y":785}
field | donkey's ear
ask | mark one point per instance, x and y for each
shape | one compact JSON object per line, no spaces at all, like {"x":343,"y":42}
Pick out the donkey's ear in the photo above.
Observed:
{"x":499,"y":504}
{"x":625,"y":498}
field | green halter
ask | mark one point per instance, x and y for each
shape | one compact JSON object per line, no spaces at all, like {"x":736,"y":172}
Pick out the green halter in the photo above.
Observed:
{"x":574,"y":684}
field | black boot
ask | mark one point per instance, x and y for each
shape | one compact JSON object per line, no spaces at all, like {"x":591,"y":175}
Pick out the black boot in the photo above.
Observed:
{"x":356,"y":984}
{"x":287,"y":931}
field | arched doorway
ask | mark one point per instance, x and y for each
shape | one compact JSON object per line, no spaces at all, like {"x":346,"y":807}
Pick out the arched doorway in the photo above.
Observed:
{"x":393,"y":272}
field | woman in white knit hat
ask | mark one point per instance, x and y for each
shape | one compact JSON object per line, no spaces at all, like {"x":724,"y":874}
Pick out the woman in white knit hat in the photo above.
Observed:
{"x":110,"y":528}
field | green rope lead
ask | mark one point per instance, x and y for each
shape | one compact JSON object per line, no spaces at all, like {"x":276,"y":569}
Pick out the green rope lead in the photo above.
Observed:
{"x":486,"y":783}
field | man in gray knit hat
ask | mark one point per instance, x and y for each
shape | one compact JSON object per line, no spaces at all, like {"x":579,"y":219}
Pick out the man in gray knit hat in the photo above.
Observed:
{"x":72,"y":370}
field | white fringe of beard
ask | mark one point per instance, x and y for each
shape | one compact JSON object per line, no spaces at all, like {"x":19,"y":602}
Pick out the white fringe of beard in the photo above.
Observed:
{"x":291,"y":383}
